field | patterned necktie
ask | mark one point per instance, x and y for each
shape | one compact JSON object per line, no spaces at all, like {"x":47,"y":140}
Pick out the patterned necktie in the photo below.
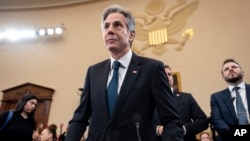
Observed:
{"x":241,"y":112}
{"x":112,"y":90}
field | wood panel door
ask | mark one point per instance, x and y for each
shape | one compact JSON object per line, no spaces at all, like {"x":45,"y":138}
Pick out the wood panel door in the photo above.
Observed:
{"x":44,"y":95}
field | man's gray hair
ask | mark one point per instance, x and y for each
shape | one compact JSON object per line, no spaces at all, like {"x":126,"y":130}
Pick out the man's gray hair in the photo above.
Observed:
{"x":130,"y":22}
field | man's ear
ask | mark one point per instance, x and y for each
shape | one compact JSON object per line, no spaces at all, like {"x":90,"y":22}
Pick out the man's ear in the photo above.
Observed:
{"x":132,"y":36}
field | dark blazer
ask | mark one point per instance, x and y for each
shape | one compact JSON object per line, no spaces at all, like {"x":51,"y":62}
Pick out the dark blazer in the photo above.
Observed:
{"x":195,"y":120}
{"x":144,"y":87}
{"x":193,"y":117}
{"x":223,"y":114}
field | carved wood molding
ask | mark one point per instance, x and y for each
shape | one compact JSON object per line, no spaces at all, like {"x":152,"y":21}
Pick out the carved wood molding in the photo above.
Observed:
{"x":14,"y":93}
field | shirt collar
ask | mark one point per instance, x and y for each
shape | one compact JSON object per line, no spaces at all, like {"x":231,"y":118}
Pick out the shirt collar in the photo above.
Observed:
{"x":125,"y":60}
{"x":172,"y":89}
{"x":241,"y":85}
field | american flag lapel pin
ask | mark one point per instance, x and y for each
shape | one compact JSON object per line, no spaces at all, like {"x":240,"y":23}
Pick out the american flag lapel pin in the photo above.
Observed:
{"x":134,"y":71}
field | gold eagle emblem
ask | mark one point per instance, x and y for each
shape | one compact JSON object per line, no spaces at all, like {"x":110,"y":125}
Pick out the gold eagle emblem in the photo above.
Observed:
{"x":159,"y":28}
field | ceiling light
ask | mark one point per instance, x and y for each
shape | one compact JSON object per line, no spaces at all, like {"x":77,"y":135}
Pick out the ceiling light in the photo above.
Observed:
{"x":58,"y":30}
{"x":41,"y":32}
{"x":50,"y":31}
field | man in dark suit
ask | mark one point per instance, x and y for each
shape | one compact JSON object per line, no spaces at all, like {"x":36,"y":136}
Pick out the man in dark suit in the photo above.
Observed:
{"x":143,"y":85}
{"x":193,"y":117}
{"x":223,"y":103}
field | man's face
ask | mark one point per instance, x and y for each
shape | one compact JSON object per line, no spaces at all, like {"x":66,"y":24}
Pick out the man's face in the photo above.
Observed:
{"x":116,"y":34}
{"x":170,"y":76}
{"x":232,"y":73}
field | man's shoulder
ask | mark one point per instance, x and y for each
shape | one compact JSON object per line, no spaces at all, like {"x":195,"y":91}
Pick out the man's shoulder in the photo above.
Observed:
{"x":101,"y":63}
{"x":186,"y":94}
{"x":146,"y":60}
{"x":219,"y":93}
{"x":248,"y":85}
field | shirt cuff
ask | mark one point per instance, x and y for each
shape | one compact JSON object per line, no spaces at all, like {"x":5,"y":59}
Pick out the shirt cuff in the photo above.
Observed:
{"x":184,"y":130}
{"x":157,"y":130}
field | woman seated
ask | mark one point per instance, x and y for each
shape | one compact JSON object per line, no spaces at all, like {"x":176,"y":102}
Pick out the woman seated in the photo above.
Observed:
{"x":49,"y":133}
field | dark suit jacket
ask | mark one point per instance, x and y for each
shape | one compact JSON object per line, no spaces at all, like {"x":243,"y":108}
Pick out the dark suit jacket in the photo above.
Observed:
{"x":193,"y":117}
{"x":195,"y":120}
{"x":145,"y":87}
{"x":223,"y":114}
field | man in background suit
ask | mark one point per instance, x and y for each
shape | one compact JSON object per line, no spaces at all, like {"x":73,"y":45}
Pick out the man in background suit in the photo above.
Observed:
{"x":143,"y":85}
{"x":223,"y":106}
{"x":193,"y":117}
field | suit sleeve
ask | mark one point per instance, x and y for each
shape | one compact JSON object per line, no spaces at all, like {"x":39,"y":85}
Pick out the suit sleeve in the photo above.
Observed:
{"x":166,"y":107}
{"x":79,"y":122}
{"x":216,"y":117}
{"x":199,"y":118}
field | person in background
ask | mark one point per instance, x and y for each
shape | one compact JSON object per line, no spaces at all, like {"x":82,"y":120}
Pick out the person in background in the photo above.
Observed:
{"x":22,"y":125}
{"x":49,"y":133}
{"x":139,"y":84}
{"x":224,"y":111}
{"x":205,"y":136}
{"x":193,"y":117}
{"x":62,"y":136}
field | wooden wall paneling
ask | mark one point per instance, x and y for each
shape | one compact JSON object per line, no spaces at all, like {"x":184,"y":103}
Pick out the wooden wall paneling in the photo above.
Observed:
{"x":44,"y":95}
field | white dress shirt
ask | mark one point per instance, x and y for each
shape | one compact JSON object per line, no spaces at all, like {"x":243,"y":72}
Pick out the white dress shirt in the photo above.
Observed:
{"x":242,"y":91}
{"x":125,"y":60}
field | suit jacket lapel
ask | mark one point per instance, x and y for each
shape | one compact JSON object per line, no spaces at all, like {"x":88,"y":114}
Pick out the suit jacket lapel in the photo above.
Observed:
{"x":102,"y":85}
{"x":248,"y":97}
{"x":227,"y":99}
{"x":177,"y":97}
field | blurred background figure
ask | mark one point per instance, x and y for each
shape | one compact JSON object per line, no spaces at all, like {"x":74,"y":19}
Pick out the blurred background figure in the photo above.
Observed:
{"x":205,"y":136}
{"x":230,"y":106}
{"x":22,"y":125}
{"x":49,"y":133}
{"x":193,"y":117}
